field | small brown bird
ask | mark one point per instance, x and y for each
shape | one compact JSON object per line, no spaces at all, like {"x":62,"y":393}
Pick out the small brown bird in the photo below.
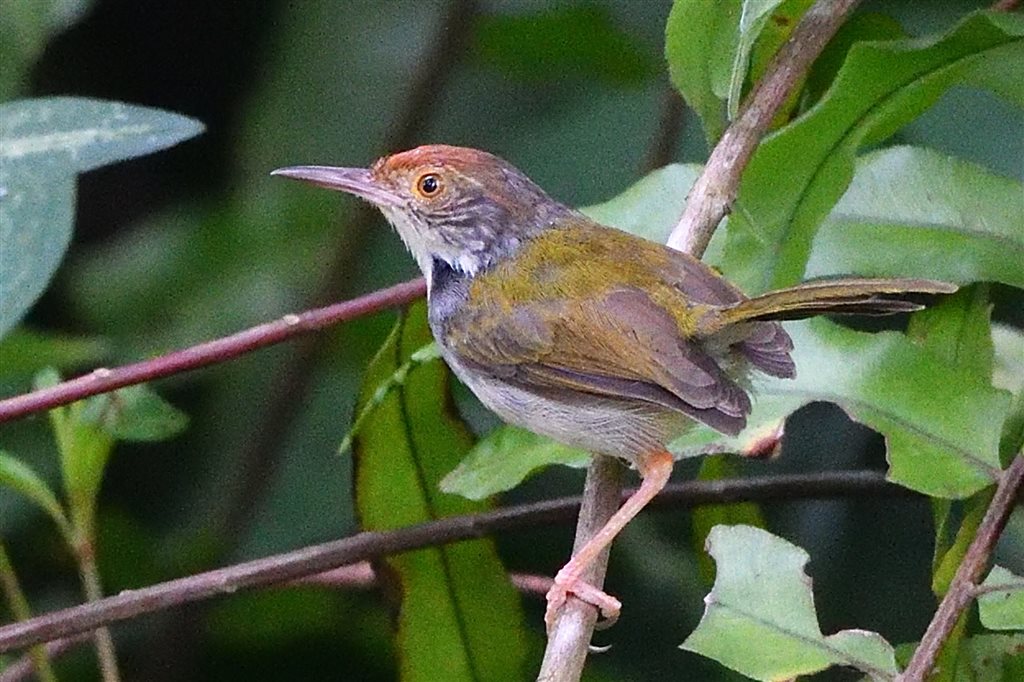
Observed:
{"x":589,"y":335}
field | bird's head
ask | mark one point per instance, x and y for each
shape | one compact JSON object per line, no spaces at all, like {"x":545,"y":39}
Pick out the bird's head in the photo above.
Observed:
{"x":463,"y":206}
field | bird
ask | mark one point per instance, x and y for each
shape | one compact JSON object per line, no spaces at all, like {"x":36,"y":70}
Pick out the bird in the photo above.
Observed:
{"x":594,"y":337}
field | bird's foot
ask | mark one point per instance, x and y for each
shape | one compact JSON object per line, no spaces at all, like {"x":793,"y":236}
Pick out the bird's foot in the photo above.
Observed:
{"x":569,"y":582}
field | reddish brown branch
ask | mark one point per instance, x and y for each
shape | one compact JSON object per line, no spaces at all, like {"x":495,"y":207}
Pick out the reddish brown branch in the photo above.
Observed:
{"x":962,"y":589}
{"x":364,"y":546}
{"x":227,"y":348}
{"x":715,"y":190}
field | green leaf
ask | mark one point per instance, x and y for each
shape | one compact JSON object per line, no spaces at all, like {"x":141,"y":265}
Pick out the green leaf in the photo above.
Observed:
{"x":754,"y":15}
{"x":1001,"y":606}
{"x":25,"y":28}
{"x":992,"y":658}
{"x":760,"y":618}
{"x":43,"y":143}
{"x":881,"y":87}
{"x":700,"y":46}
{"x":941,"y":427}
{"x":717,"y":468}
{"x":134,"y":413}
{"x":916,"y":212}
{"x":24,"y":352}
{"x":1008,"y":374}
{"x":580,"y":40}
{"x":958,"y":330}
{"x":456,"y":600}
{"x":778,"y":27}
{"x":20,"y":477}
{"x":503,"y":459}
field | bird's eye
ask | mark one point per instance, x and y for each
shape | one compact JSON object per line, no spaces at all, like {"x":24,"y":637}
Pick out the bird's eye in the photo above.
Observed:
{"x":428,"y":185}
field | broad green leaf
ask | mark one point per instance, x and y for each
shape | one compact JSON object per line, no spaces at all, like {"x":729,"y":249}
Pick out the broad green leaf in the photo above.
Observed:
{"x":134,"y":413}
{"x":24,"y":352}
{"x":941,"y":427}
{"x":958,"y":330}
{"x":575,"y":41}
{"x":43,"y":144}
{"x":21,"y":478}
{"x":25,"y":27}
{"x":456,"y":602}
{"x":881,"y":87}
{"x":717,"y":468}
{"x":506,"y":457}
{"x":948,"y":556}
{"x":916,"y":212}
{"x":700,"y":44}
{"x":760,"y":618}
{"x":754,"y":14}
{"x":1001,"y":606}
{"x":776,"y":30}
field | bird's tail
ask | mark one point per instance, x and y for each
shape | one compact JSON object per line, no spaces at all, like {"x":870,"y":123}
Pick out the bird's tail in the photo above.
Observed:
{"x":851,"y":296}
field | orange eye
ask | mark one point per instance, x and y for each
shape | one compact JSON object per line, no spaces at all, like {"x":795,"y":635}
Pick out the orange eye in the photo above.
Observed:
{"x":428,"y":185}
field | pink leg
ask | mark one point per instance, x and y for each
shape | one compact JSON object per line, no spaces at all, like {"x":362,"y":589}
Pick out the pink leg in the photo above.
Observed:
{"x":655,"y":470}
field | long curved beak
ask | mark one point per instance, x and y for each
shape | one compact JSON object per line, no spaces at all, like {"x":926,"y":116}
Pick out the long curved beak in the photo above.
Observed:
{"x":357,"y":181}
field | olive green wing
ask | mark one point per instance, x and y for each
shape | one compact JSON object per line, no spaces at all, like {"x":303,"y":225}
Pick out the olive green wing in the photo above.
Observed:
{"x":617,"y":342}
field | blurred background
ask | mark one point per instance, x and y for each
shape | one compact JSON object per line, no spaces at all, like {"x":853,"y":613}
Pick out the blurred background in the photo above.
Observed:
{"x":198,"y":241}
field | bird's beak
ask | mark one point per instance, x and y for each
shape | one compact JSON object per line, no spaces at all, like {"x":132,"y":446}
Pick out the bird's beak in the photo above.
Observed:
{"x":357,"y":181}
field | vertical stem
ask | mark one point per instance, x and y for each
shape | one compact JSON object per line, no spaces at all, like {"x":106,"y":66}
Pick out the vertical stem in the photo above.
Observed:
{"x":569,"y":640}
{"x":94,"y":592}
{"x":961,"y":589}
{"x":20,"y":609}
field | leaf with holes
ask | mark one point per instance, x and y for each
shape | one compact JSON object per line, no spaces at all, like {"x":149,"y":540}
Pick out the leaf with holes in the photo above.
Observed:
{"x":760,"y":618}
{"x":43,"y":144}
{"x":455,"y":601}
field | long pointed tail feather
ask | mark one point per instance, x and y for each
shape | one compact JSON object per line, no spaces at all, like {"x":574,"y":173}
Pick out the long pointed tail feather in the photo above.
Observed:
{"x":851,"y":296}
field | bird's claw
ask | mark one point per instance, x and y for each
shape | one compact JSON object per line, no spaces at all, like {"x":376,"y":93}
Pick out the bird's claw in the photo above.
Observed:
{"x":568,"y":582}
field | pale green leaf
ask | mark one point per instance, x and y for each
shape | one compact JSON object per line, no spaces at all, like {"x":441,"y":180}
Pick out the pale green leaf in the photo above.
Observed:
{"x":1001,"y":606}
{"x":21,"y":478}
{"x":941,"y":428}
{"x":504,"y":459}
{"x":916,"y":212}
{"x":134,"y":413}
{"x":760,"y":618}
{"x":43,"y":144}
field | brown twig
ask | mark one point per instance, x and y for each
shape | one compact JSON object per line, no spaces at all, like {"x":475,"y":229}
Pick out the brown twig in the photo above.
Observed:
{"x":963,"y":588}
{"x":569,"y":638}
{"x":715,"y":190}
{"x":709,"y":201}
{"x":104,"y":380}
{"x":364,"y":546}
{"x":361,"y":576}
{"x":22,"y":669}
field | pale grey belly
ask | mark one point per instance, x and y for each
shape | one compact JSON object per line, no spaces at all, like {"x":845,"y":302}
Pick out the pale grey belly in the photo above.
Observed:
{"x":607,"y":426}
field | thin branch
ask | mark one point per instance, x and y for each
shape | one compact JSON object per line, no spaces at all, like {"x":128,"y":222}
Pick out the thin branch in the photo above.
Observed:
{"x":569,"y":639}
{"x":361,"y":576}
{"x":709,"y":201}
{"x":104,"y":380}
{"x":368,"y":545}
{"x":714,"y":192}
{"x":964,"y":585}
{"x":22,"y":669}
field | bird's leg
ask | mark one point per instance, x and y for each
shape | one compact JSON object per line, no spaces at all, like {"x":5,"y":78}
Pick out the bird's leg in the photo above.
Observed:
{"x":654,"y":470}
